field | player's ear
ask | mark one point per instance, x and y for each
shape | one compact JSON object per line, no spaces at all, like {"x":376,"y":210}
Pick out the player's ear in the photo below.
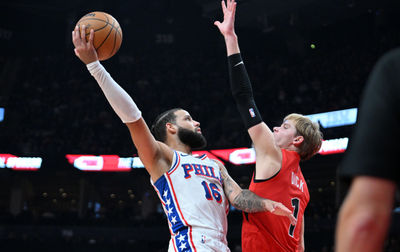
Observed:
{"x":298,"y":140}
{"x":172,"y":128}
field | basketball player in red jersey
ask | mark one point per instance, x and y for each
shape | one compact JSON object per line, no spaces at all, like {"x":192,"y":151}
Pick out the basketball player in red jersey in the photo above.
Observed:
{"x":277,"y":174}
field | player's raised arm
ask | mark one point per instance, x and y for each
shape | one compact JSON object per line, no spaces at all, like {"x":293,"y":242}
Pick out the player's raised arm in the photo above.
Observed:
{"x":154,"y":155}
{"x":242,"y":91}
{"x":250,"y":202}
{"x":227,"y":27}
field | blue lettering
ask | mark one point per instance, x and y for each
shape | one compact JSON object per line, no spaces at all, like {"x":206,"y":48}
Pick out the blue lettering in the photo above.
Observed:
{"x":198,"y":170}
{"x":187,"y":168}
{"x":212,"y":172}
{"x":206,"y":171}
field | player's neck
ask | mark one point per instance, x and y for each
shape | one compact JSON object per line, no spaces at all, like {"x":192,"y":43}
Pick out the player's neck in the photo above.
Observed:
{"x":179,"y":146}
{"x":291,"y":148}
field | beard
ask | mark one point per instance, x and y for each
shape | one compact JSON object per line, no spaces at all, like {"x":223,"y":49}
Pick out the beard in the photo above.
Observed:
{"x":193,"y":139}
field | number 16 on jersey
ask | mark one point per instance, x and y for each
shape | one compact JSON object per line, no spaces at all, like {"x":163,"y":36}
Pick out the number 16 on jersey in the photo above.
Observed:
{"x":212,"y":191}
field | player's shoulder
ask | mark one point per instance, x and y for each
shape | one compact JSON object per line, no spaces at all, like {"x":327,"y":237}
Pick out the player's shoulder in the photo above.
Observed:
{"x":218,"y":162}
{"x":289,"y":155}
{"x":390,"y":57}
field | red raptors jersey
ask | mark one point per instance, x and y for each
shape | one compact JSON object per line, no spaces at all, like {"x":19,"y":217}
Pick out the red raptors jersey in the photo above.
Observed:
{"x":268,"y":232}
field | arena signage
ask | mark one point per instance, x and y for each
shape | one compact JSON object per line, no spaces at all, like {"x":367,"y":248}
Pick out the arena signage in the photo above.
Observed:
{"x":236,"y":156}
{"x":334,"y":146}
{"x":1,"y":114}
{"x":104,"y":162}
{"x":20,"y":163}
{"x":335,"y":118}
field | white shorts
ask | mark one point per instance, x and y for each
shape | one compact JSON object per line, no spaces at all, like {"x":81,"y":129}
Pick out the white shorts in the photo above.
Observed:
{"x":202,"y":240}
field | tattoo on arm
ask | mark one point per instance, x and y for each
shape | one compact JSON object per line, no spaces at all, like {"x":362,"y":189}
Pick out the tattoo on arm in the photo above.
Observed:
{"x":249,"y":202}
{"x":244,"y":200}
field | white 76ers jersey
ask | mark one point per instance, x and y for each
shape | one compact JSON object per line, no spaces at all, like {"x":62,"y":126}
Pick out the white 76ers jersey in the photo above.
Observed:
{"x":192,"y":195}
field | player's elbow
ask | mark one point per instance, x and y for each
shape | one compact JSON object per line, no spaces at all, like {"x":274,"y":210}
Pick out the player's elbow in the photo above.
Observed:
{"x":365,"y":229}
{"x":248,"y":202}
{"x":365,"y":224}
{"x":236,"y":199}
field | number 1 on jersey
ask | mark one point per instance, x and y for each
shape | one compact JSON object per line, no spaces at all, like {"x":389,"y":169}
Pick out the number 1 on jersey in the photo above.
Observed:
{"x":295,"y":204}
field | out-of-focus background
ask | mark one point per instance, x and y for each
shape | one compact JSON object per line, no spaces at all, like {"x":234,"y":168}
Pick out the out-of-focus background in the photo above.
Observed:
{"x":307,"y":56}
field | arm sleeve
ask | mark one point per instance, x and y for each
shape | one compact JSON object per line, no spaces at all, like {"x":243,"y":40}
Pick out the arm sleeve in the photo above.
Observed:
{"x":242,"y":91}
{"x":118,"y":98}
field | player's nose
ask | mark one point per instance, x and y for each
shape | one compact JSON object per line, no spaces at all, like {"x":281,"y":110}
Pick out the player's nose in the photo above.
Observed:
{"x":196,"y":123}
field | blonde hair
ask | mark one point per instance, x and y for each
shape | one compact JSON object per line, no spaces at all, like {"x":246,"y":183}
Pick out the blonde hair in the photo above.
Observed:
{"x":311,"y":133}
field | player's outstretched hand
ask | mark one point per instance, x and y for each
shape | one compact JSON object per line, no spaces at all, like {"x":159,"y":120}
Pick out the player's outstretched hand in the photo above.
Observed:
{"x":84,"y":50}
{"x":279,"y":209}
{"x":227,"y":27}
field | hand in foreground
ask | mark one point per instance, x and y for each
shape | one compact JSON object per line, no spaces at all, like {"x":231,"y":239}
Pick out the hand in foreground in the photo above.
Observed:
{"x":227,"y":27}
{"x":279,"y":209}
{"x":84,"y":50}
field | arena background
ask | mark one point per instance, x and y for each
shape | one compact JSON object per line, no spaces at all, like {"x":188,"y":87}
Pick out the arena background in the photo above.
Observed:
{"x":171,"y":56}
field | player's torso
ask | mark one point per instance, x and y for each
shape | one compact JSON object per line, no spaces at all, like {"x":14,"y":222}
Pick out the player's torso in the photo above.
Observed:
{"x":193,"y":199}
{"x":288,"y":187}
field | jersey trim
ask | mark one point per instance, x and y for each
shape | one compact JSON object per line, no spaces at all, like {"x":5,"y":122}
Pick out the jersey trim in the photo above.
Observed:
{"x":177,"y":159}
{"x":276,"y":174}
{"x":180,"y":213}
{"x":181,"y":231}
{"x":263,"y":180}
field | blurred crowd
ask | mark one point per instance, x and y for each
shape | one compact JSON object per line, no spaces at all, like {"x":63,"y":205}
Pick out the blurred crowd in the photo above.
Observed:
{"x":54,"y":105}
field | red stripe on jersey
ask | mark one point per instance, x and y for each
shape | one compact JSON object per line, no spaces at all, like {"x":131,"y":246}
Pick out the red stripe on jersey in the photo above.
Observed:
{"x":176,"y":165}
{"x":173,"y":242}
{"x":180,"y":212}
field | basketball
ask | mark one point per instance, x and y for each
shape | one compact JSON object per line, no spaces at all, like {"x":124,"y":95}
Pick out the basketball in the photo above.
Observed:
{"x":107,"y":33}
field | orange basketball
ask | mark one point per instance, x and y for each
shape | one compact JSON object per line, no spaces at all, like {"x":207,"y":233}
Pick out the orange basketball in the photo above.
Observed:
{"x":107,"y":33}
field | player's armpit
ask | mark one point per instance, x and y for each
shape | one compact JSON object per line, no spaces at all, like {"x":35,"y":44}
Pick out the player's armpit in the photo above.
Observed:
{"x":155,"y":156}
{"x":263,"y":140}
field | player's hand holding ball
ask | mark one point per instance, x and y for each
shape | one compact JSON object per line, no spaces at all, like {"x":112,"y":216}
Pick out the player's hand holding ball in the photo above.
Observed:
{"x":97,"y":36}
{"x":84,"y":49}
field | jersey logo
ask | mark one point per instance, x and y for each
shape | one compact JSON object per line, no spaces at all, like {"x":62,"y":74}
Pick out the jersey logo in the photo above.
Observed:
{"x":199,"y":170}
{"x":297,"y":182}
{"x":240,"y":63}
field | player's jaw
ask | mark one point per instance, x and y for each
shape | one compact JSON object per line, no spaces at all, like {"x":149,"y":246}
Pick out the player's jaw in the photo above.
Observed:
{"x":194,"y":139}
{"x":282,"y":139}
{"x":285,"y":134}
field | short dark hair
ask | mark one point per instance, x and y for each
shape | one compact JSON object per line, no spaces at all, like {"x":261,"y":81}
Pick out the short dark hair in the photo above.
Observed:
{"x":158,"y":128}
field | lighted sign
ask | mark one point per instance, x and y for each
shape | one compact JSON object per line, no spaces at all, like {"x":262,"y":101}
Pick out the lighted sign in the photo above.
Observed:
{"x":20,"y":163}
{"x":335,"y":118}
{"x":1,"y":114}
{"x":104,"y":163}
{"x":237,"y":156}
{"x":334,"y":146}
{"x":243,"y":156}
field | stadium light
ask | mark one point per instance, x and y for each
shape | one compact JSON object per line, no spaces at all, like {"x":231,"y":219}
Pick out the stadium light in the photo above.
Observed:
{"x":335,"y":118}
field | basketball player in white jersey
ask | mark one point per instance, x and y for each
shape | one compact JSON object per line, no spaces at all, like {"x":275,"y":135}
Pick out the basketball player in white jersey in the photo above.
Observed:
{"x":194,"y":191}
